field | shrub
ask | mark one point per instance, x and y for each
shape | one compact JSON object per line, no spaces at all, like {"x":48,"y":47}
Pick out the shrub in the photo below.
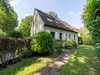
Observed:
{"x":70,"y":43}
{"x":57,"y":45}
{"x":79,"y":40}
{"x":3,"y":34}
{"x":15,"y":34}
{"x":42,"y":43}
{"x":86,"y":39}
{"x":13,"y":47}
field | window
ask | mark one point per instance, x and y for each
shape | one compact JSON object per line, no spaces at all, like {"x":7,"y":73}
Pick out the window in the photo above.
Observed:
{"x":53,"y":34}
{"x":56,"y":22}
{"x":60,"y":36}
{"x":74,"y":37}
{"x":66,"y":25}
{"x":49,"y":19}
{"x":66,"y":35}
{"x":69,"y":36}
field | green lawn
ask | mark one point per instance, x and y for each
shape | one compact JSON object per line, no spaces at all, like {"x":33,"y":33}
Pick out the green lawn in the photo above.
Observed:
{"x":29,"y":66}
{"x":81,"y":62}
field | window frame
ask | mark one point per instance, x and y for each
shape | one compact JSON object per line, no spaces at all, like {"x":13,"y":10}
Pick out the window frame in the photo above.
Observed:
{"x":60,"y":36}
{"x":69,"y":36}
{"x":53,"y":34}
{"x":74,"y":37}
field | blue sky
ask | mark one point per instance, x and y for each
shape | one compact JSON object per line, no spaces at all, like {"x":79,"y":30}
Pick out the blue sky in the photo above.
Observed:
{"x":67,"y":10}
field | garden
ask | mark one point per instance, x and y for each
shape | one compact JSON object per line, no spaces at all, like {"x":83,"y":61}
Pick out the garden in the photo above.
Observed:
{"x":31,"y":54}
{"x":21,"y":54}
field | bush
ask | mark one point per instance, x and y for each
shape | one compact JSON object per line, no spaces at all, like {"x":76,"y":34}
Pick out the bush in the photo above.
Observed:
{"x":15,"y":34}
{"x":57,"y":45}
{"x":3,"y":34}
{"x":11,"y":48}
{"x":42,"y":43}
{"x":79,"y":40}
{"x":70,"y":43}
{"x":86,"y":39}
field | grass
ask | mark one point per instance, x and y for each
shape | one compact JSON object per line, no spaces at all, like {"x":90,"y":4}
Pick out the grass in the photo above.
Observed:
{"x":81,"y":62}
{"x":29,"y":66}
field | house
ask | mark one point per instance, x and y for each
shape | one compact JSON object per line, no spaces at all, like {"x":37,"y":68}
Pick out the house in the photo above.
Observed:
{"x":56,"y":27}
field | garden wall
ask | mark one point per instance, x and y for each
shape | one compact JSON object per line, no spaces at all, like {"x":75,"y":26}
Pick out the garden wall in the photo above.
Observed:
{"x":11,"y":48}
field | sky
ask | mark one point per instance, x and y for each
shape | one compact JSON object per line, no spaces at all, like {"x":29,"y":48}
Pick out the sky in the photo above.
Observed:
{"x":67,"y":10}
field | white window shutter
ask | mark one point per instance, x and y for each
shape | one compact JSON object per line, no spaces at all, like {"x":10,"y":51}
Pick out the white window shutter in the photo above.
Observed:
{"x":71,"y":36}
{"x":56,"y":35}
{"x":64,"y":35}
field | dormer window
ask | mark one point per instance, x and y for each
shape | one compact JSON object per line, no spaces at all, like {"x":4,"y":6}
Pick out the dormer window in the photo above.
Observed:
{"x":49,"y":19}
{"x":56,"y":22}
{"x":66,"y":25}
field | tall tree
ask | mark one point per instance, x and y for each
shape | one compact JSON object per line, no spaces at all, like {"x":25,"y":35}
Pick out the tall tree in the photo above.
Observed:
{"x":84,"y":30}
{"x":52,"y":13}
{"x":91,"y":19}
{"x":8,"y":17}
{"x":25,"y":25}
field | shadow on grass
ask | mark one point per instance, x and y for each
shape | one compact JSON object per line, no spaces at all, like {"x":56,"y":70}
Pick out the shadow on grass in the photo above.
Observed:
{"x":81,"y":62}
{"x":20,"y":66}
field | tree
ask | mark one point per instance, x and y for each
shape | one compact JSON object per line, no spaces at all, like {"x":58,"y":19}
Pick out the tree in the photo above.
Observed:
{"x":53,"y":14}
{"x":91,"y":19}
{"x":84,"y":30}
{"x":25,"y":26}
{"x":8,"y":17}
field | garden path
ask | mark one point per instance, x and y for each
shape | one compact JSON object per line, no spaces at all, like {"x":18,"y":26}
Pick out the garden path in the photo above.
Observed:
{"x":54,"y":68}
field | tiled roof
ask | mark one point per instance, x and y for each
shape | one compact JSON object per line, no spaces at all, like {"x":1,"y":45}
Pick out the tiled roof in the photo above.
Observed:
{"x":55,"y":22}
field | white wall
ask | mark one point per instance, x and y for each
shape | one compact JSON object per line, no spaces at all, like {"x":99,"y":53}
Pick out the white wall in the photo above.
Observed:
{"x":64,"y":32}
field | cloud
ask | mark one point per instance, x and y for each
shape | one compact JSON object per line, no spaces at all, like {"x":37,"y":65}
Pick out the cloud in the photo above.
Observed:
{"x":14,"y":2}
{"x":26,"y":14}
{"x":71,"y":13}
{"x":74,"y":14}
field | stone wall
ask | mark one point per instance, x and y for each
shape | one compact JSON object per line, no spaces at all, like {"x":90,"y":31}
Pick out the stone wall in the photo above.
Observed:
{"x":37,"y":25}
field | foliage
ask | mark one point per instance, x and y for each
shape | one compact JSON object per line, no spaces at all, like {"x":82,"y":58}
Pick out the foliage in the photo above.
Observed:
{"x":8,"y":17}
{"x":29,"y":66}
{"x":79,"y":40}
{"x":42,"y":42}
{"x":57,"y":45}
{"x":70,"y":43}
{"x":53,"y":14}
{"x":86,"y":39}
{"x":84,"y":30}
{"x":3,"y":34}
{"x":25,"y":26}
{"x":15,"y":34}
{"x":81,"y":62}
{"x":91,"y":19}
{"x":14,"y":46}
{"x":74,"y":43}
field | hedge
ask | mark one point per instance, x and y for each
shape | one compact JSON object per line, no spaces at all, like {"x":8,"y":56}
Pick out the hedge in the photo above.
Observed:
{"x":11,"y":48}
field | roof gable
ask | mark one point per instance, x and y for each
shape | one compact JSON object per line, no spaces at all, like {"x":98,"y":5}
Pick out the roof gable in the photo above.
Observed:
{"x":55,"y":22}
